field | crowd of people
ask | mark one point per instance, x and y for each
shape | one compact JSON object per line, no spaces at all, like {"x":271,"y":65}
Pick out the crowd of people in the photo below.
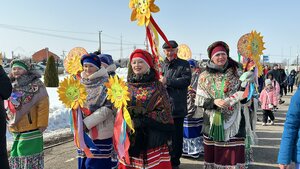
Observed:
{"x":181,"y":110}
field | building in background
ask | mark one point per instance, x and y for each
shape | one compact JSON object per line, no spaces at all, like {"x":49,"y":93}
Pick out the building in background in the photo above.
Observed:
{"x":43,"y":54}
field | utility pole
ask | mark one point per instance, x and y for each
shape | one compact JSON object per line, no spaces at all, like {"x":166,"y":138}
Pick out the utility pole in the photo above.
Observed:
{"x":63,"y":55}
{"x":99,"y":41}
{"x":297,"y":61}
{"x":121,"y":48}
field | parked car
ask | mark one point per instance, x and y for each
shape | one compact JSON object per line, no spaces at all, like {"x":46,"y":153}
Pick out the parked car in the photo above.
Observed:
{"x":41,"y":68}
{"x":7,"y":68}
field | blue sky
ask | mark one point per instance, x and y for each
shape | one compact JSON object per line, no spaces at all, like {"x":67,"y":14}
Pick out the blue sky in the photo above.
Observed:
{"x":25,"y":25}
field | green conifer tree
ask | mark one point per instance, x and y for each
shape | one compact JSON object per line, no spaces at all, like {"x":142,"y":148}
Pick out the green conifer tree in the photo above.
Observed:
{"x":51,"y":75}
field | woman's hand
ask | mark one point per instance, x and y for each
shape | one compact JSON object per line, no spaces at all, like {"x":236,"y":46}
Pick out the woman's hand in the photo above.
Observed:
{"x":221,"y":103}
{"x":283,"y":166}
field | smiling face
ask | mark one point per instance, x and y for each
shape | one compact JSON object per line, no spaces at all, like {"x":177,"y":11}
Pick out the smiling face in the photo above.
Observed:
{"x":139,"y":66}
{"x":89,"y":69}
{"x":171,"y":53}
{"x":17,"y":72}
{"x":220,"y":59}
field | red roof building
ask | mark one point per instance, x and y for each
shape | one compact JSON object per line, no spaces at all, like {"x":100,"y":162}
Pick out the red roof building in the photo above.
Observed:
{"x":43,"y":54}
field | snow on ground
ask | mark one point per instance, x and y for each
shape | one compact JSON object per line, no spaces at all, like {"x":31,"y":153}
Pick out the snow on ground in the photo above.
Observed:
{"x":59,"y":119}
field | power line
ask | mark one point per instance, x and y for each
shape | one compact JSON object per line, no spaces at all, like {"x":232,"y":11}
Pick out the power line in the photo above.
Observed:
{"x":50,"y":30}
{"x":115,"y":49}
{"x":116,"y":38}
{"x":61,"y":36}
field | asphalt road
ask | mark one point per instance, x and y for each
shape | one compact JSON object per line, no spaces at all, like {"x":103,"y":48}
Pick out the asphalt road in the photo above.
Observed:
{"x":63,"y":156}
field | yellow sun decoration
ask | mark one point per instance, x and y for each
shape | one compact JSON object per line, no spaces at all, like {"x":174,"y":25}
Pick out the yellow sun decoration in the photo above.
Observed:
{"x":73,"y":66}
{"x":141,"y":10}
{"x":255,"y":46}
{"x":72,"y":93}
{"x":117,"y":91}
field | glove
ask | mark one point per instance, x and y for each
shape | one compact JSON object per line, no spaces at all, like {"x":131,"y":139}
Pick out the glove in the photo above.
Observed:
{"x":247,"y":77}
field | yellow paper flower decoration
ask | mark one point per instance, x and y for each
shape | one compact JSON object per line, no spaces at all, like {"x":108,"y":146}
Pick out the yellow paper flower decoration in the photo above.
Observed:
{"x":141,"y":10}
{"x":72,"y":93}
{"x":255,"y":46}
{"x":74,"y":66}
{"x":117,"y":91}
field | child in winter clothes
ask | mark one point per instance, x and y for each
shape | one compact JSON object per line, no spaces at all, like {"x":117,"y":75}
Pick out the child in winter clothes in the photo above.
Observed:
{"x":276,"y":87}
{"x":268,"y":99}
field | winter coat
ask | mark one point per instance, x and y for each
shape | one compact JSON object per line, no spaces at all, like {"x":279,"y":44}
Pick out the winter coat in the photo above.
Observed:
{"x":297,"y":79}
{"x":268,"y":97}
{"x":38,"y":114}
{"x":191,"y":107}
{"x":276,"y":87}
{"x":276,"y":75}
{"x":211,"y":80}
{"x":291,"y":79}
{"x":178,"y":75}
{"x":150,"y":110}
{"x":290,"y":141}
{"x":5,"y":85}
{"x":5,"y":91}
{"x":283,"y":77}
{"x":102,"y":116}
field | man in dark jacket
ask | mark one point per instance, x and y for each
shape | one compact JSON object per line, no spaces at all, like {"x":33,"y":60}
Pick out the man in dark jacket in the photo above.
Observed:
{"x":5,"y":91}
{"x":278,"y":77}
{"x":176,"y":77}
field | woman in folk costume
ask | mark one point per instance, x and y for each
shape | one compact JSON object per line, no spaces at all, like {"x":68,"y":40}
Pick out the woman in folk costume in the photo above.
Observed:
{"x":150,"y":110}
{"x":192,"y":124}
{"x":28,"y":112}
{"x":224,"y":123}
{"x":99,"y":122}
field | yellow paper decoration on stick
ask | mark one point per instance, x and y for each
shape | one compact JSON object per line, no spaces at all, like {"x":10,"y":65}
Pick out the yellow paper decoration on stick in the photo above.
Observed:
{"x":72,"y":93}
{"x":118,"y":94}
{"x":251,"y":46}
{"x":141,"y":11}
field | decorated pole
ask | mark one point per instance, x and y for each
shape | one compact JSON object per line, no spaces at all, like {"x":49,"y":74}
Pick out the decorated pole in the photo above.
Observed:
{"x":118,"y":94}
{"x":141,"y":12}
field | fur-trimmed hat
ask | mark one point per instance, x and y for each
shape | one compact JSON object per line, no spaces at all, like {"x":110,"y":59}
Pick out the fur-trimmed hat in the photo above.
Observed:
{"x":217,"y":47}
{"x":20,"y":63}
{"x":92,"y":59}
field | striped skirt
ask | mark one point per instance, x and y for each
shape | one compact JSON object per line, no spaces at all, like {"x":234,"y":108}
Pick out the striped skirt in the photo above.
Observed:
{"x":157,"y":158}
{"x":102,"y":159}
{"x":224,"y":155}
{"x":192,"y":137}
{"x":27,"y":151}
